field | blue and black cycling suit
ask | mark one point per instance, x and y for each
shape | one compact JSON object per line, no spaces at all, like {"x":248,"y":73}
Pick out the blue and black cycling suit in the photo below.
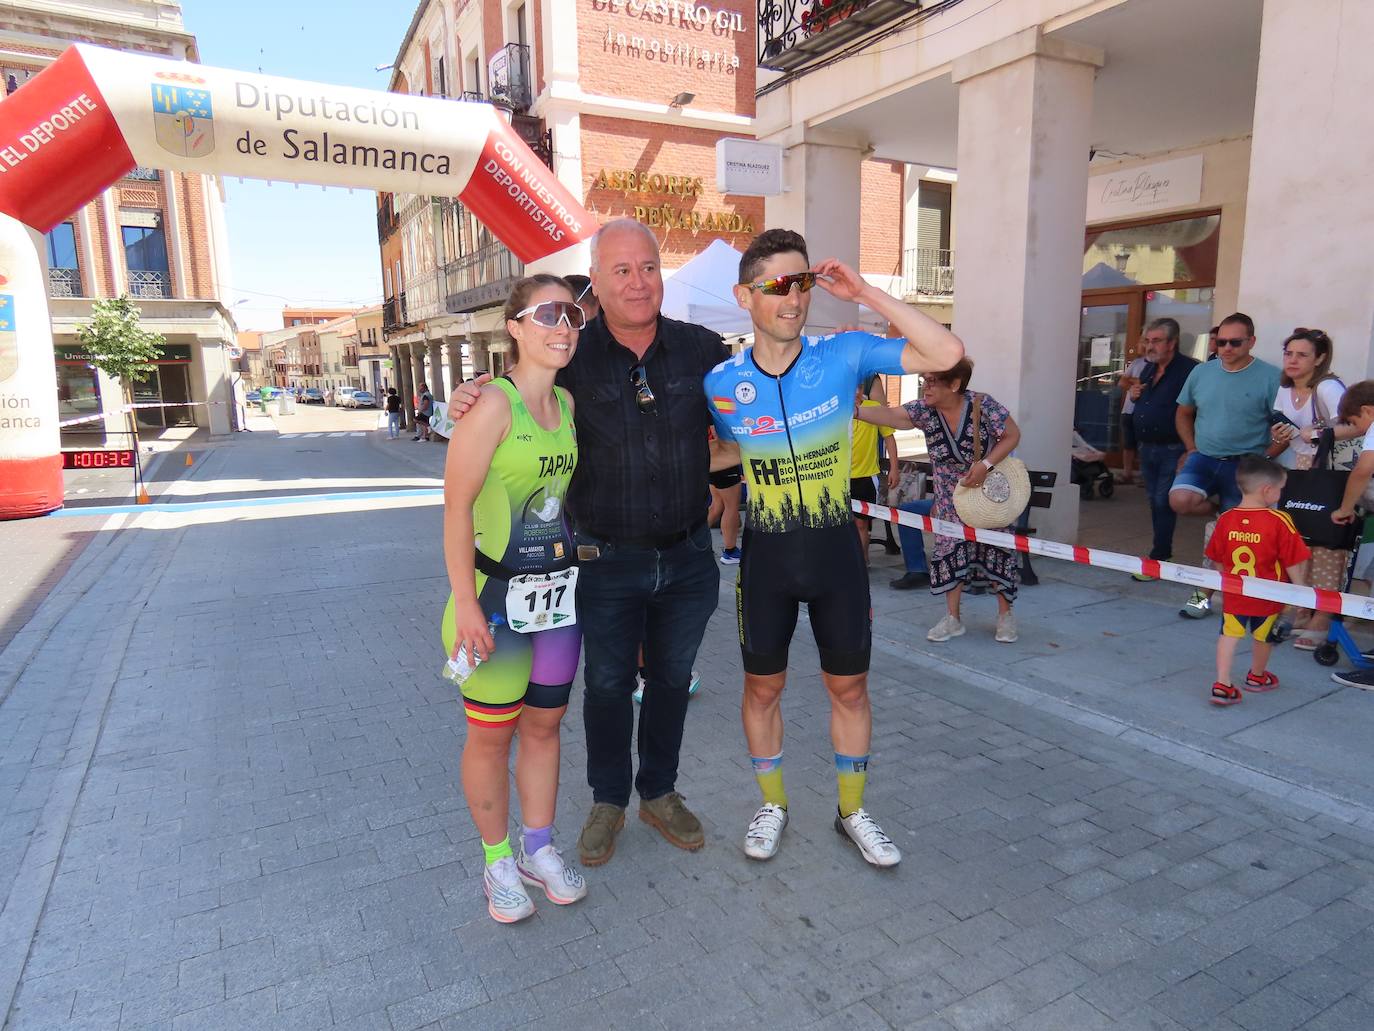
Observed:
{"x":794,"y":431}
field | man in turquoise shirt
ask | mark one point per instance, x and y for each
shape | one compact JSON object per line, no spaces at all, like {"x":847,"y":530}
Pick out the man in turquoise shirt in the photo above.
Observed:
{"x":1223,"y":413}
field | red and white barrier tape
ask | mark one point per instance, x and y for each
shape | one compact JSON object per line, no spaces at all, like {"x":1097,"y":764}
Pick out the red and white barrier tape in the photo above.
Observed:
{"x":85,"y":418}
{"x":1193,"y":576}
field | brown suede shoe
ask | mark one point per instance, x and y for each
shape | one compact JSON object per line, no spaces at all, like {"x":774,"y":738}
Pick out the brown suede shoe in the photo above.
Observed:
{"x":596,"y":843}
{"x":670,"y":816}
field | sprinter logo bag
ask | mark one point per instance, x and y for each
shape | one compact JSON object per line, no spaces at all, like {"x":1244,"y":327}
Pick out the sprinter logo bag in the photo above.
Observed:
{"x":1311,"y":495}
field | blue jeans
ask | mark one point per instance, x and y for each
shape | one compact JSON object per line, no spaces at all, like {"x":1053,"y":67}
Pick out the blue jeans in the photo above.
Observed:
{"x":1158,"y":462}
{"x":393,"y":424}
{"x":1205,"y":475}
{"x":913,"y":541}
{"x":663,"y":598}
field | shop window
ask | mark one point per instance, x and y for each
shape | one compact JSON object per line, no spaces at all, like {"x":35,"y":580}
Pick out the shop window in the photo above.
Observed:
{"x":1175,"y":252}
{"x":78,"y":393}
{"x":1191,"y":309}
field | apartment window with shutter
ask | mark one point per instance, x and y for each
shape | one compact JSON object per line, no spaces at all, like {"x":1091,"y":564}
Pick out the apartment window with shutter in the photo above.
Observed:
{"x":933,"y":215}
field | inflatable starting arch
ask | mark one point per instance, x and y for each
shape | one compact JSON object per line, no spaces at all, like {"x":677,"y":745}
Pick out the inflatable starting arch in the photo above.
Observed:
{"x":94,"y":114}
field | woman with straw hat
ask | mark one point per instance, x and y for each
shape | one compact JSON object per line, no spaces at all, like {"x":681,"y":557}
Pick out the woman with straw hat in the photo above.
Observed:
{"x":958,"y":426}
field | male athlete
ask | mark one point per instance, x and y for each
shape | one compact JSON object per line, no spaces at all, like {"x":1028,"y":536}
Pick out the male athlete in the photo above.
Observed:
{"x":787,"y":403}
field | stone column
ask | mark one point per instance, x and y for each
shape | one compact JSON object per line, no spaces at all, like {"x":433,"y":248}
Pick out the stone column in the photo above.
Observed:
{"x":456,"y":371}
{"x":405,"y":383}
{"x":417,"y":369}
{"x":436,"y":370}
{"x":1024,"y":109}
{"x":1307,"y":258}
{"x":828,"y":175}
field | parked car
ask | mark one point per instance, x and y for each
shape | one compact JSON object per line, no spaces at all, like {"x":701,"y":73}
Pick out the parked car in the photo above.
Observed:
{"x":312,"y":396}
{"x":361,"y":399}
{"x":341,"y":395}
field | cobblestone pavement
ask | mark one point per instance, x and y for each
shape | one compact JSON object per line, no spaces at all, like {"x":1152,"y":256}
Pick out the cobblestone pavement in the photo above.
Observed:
{"x":228,"y":799}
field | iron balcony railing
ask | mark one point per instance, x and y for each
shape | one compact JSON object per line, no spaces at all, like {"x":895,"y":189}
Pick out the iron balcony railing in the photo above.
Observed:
{"x":481,"y":278}
{"x":150,"y":175}
{"x":64,"y":282}
{"x":386,"y":219}
{"x":928,"y":272}
{"x":147,"y":284}
{"x":394,"y":312}
{"x":795,"y":32}
{"x":472,"y":97}
{"x":509,"y":77}
{"x":536,"y":136}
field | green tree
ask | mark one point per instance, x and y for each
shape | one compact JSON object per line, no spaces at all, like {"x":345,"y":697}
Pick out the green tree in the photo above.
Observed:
{"x":118,"y":344}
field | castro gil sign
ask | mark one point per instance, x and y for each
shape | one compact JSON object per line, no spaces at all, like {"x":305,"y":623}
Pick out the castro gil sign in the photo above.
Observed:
{"x":668,"y":215}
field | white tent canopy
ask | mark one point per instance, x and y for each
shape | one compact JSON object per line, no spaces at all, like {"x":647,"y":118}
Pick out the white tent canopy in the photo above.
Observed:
{"x":701,"y":292}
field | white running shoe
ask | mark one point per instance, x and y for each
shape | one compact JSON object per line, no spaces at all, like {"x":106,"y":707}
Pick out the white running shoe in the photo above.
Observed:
{"x":546,"y":869}
{"x":875,"y":846}
{"x":507,"y":901}
{"x":1006,"y":628}
{"x":765,"y":831}
{"x":948,"y":627}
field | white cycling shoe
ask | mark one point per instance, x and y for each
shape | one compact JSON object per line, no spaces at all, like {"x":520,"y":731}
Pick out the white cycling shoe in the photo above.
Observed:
{"x":875,"y":846}
{"x":764,"y":835}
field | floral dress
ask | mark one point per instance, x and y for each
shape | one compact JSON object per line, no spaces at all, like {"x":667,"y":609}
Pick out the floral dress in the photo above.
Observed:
{"x":951,"y":453}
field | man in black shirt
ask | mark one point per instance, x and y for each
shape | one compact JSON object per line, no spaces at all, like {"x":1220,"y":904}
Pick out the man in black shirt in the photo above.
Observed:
{"x":1159,"y":447}
{"x":638,"y":502}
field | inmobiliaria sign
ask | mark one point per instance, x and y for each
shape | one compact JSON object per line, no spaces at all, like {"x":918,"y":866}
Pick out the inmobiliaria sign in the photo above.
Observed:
{"x":94,"y":114}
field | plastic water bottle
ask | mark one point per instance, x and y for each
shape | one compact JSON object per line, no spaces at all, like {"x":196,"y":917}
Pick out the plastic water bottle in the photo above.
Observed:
{"x":458,"y":668}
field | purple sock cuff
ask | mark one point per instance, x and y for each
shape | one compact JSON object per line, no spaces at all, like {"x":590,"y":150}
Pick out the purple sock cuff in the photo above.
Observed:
{"x":536,"y":838}
{"x":766,"y":763}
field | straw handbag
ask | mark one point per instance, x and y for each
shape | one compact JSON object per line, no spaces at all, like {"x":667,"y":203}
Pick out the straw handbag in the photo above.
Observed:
{"x":1002,"y":496}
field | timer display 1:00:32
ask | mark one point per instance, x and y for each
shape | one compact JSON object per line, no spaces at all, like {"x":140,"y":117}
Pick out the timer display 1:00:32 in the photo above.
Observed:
{"x":98,"y":458}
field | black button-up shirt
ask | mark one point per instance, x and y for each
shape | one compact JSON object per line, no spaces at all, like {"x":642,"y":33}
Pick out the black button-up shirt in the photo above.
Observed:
{"x":1154,"y":411}
{"x":641,"y":475}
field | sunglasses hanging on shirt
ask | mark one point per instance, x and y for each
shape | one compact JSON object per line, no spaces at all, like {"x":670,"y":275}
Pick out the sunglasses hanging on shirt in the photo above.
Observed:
{"x":644,"y":395}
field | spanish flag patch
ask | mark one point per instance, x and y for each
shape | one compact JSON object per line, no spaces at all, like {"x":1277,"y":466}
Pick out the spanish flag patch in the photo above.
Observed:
{"x":724,"y":405}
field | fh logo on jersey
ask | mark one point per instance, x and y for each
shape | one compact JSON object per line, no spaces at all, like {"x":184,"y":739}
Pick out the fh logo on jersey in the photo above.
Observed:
{"x":9,"y":339}
{"x":184,"y":120}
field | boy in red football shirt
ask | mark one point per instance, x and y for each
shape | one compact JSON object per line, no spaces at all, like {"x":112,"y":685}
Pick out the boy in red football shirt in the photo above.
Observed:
{"x":1253,"y":539}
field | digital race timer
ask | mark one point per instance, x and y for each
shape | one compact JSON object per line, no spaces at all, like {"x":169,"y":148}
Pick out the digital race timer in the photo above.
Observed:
{"x":98,"y":458}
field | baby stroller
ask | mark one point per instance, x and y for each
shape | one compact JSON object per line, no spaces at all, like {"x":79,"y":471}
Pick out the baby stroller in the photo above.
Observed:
{"x":1338,"y":639}
{"x":1088,"y":469}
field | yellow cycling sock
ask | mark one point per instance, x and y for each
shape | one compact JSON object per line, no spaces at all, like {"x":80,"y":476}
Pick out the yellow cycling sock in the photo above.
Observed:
{"x":768,"y":772}
{"x":852,"y":773}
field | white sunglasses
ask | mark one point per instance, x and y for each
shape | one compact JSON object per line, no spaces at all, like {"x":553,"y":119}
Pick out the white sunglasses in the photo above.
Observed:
{"x":550,"y":313}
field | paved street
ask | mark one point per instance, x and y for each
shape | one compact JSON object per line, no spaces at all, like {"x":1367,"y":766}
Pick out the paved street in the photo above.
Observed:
{"x":228,"y":799}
